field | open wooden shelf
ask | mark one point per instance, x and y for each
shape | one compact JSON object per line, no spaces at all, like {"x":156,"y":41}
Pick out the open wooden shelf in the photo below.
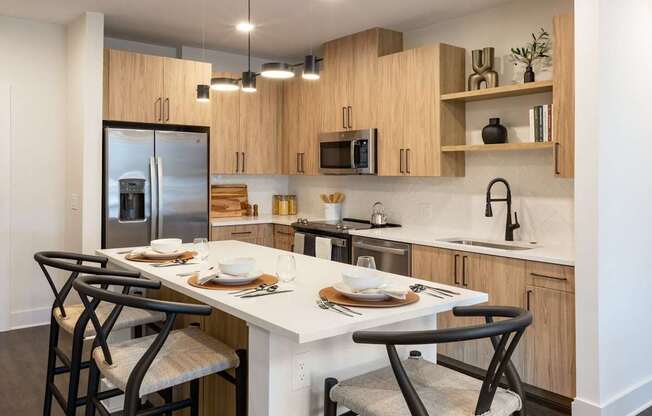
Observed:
{"x":497,"y":147}
{"x":499,"y":92}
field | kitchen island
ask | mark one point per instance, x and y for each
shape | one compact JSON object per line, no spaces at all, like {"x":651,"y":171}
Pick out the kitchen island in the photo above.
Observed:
{"x":292,"y":343}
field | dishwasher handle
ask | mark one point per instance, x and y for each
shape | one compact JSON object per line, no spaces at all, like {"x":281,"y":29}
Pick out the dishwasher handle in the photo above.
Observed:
{"x":381,"y":249}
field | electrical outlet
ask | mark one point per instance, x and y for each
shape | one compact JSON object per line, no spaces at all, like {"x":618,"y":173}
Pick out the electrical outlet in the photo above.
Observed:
{"x":300,"y":371}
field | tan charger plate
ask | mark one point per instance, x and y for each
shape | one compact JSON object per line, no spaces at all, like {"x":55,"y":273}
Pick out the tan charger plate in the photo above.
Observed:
{"x":334,"y":296}
{"x":213,"y":285}
{"x":185,"y":256}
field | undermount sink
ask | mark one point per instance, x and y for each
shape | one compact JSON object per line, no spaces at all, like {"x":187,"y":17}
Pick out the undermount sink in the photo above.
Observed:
{"x":488,"y":244}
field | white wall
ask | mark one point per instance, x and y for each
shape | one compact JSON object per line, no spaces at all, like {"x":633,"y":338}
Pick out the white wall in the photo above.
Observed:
{"x":141,"y":47}
{"x":223,"y":61}
{"x":5,"y":205}
{"x":614,"y":201}
{"x":85,"y":37}
{"x":545,"y":203}
{"x":33,"y":59}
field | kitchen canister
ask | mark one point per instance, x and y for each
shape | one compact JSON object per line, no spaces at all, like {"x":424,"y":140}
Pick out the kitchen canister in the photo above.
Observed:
{"x":333,"y":212}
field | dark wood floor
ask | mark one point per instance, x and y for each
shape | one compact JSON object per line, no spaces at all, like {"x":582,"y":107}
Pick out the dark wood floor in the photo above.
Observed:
{"x":23,"y":358}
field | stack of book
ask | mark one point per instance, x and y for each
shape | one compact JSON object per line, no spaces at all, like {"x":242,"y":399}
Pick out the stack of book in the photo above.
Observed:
{"x":541,"y":123}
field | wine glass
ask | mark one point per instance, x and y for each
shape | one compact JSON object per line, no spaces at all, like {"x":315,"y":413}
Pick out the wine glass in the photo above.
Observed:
{"x":286,"y":268}
{"x":366,"y":261}
{"x":201,"y":247}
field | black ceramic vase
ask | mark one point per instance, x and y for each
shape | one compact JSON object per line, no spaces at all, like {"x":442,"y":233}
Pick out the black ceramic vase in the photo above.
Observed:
{"x":494,"y":132}
{"x":528,"y":76}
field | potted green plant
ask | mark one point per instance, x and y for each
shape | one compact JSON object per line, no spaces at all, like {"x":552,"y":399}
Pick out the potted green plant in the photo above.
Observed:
{"x":537,"y":49}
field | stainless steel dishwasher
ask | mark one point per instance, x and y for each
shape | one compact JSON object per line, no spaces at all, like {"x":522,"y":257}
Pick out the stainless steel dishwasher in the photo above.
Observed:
{"x":390,"y":256}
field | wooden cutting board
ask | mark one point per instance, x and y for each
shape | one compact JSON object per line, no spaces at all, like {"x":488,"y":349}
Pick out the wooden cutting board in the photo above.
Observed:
{"x":229,"y":201}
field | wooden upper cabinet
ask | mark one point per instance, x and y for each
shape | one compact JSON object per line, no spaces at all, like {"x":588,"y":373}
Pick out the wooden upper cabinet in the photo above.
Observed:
{"x":260,"y":128}
{"x":225,"y":129}
{"x":349,"y":78}
{"x":181,"y":78}
{"x":412,"y":122}
{"x":301,"y":126}
{"x":564,"y":95}
{"x":133,"y":87}
{"x":154,"y":89}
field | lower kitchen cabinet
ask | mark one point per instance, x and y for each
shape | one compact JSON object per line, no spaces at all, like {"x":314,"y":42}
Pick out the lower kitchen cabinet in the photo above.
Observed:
{"x":283,"y":237}
{"x":545,"y":358}
{"x":261,"y":234}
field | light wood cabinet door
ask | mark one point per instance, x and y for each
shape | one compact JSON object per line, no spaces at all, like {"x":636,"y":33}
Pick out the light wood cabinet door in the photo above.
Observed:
{"x":550,"y":341}
{"x":225,"y":130}
{"x":133,"y":87}
{"x":260,"y":128}
{"x":180,"y":103}
{"x":244,"y":233}
{"x":301,"y":124}
{"x":266,"y":235}
{"x":392,"y":114}
{"x":441,"y":266}
{"x":283,"y":237}
{"x":337,"y":79}
{"x":292,"y":126}
{"x":504,"y":280}
{"x":563,"y":95}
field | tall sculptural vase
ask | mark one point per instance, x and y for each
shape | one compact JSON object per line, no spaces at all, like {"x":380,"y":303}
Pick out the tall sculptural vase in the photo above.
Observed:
{"x":483,"y":62}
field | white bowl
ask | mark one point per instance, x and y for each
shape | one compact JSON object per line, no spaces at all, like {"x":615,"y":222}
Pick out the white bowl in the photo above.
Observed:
{"x":238,"y":266}
{"x":361,"y":278}
{"x":166,"y":245}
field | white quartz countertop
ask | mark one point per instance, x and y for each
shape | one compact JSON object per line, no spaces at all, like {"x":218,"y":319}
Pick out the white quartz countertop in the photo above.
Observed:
{"x":547,"y":253}
{"x":295,"y":315}
{"x":261,"y":219}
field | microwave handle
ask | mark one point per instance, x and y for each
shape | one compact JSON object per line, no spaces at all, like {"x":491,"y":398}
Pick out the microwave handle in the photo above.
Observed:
{"x":353,"y":144}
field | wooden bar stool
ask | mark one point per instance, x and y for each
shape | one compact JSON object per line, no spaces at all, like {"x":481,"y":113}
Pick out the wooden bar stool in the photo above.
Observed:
{"x":416,"y":387}
{"x":155,"y":363}
{"x":73,"y":320}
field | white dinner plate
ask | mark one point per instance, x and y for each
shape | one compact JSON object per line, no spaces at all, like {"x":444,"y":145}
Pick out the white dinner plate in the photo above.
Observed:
{"x":371,"y":297}
{"x":227,"y":279}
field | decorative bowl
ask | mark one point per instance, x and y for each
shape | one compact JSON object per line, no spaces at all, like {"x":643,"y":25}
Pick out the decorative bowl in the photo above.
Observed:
{"x":361,"y":278}
{"x":166,"y":245}
{"x":238,"y":266}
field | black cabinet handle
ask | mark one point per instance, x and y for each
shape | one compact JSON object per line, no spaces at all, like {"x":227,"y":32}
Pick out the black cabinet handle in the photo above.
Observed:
{"x":547,"y":276}
{"x":237,"y":162}
{"x":241,"y":233}
{"x":298,"y":168}
{"x":243,"y":162}
{"x":527,"y":299}
{"x":401,"y":160}
{"x":557,"y":147}
{"x":455,"y":279}
{"x":407,"y":161}
{"x":158,"y":108}
{"x":303,"y":168}
{"x":464,"y":282}
{"x":344,"y":117}
{"x":349,"y":113}
{"x":167,"y":105}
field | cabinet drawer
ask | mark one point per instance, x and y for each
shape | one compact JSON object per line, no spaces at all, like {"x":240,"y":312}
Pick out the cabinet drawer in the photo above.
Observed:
{"x":283,"y":237}
{"x":551,"y":276}
{"x":235,"y":232}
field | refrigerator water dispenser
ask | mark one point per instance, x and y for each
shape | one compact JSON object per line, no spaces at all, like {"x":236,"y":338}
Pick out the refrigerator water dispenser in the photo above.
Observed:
{"x":132,"y":199}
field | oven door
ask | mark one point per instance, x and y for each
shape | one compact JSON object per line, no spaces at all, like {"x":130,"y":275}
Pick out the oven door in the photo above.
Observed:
{"x":347,"y":153}
{"x":340,"y":247}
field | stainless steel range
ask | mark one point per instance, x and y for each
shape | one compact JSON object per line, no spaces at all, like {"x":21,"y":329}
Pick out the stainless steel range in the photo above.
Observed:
{"x":337,"y":232}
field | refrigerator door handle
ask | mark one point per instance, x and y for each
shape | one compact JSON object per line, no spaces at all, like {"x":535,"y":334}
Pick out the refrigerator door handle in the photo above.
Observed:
{"x":159,"y":196}
{"x":153,"y":200}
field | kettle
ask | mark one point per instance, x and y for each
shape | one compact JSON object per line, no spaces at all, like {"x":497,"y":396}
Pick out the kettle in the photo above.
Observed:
{"x":378,"y":216}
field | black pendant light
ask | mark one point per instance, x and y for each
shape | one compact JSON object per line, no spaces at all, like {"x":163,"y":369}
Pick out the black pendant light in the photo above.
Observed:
{"x":203,"y":90}
{"x":248,"y":77}
{"x":310,"y":63}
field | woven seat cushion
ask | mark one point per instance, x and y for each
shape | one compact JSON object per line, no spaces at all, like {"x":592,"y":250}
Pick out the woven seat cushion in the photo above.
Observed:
{"x":444,"y":392}
{"x":128,"y":318}
{"x":187,"y":354}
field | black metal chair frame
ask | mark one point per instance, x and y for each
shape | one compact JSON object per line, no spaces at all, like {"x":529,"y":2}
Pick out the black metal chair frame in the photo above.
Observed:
{"x":504,"y":334}
{"x":92,"y":295}
{"x":73,"y":263}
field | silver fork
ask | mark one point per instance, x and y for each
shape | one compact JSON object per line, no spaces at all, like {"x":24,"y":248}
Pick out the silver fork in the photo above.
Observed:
{"x":337,"y":305}
{"x":325,"y":306}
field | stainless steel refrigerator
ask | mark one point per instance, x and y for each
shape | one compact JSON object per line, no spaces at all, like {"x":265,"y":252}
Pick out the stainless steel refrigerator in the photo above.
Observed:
{"x":155,"y":186}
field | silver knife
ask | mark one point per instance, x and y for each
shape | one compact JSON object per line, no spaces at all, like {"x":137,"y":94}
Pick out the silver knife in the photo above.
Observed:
{"x":255,"y":295}
{"x":442,"y":290}
{"x":172,"y":264}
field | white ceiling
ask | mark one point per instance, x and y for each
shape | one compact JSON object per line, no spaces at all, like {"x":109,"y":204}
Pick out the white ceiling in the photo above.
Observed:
{"x":285,"y":28}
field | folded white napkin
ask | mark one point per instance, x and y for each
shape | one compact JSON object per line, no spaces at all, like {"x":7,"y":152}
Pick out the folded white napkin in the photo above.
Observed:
{"x":139,"y":251}
{"x":299,"y":242}
{"x":391,"y":291}
{"x":206,"y":276}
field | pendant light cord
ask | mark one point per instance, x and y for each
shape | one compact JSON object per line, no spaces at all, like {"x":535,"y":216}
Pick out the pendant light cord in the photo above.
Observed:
{"x":249,"y":36}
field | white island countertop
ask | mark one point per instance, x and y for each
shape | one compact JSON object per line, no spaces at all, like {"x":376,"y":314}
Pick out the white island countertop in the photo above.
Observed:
{"x":547,"y":253}
{"x":295,"y":315}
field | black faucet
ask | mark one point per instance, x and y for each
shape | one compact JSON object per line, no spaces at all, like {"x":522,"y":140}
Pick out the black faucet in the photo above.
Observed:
{"x":509,"y":227}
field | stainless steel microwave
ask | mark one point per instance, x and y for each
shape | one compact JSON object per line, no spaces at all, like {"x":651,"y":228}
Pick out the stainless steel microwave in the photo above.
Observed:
{"x":351,"y":152}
